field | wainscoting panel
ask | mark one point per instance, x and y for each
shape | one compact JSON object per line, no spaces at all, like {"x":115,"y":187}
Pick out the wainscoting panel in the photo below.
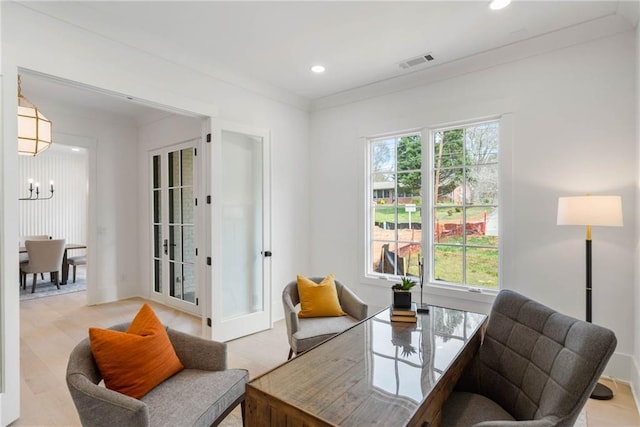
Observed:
{"x":64,"y":215}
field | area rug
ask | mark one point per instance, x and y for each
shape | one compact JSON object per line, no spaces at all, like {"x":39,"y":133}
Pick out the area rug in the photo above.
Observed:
{"x":44,"y":287}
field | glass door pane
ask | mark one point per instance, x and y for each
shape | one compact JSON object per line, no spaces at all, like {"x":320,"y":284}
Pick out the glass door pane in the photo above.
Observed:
{"x":181,"y":237}
{"x":157,"y":224}
{"x":242,"y":217}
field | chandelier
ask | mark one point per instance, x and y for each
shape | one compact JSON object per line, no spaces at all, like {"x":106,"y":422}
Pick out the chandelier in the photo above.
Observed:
{"x":34,"y":129}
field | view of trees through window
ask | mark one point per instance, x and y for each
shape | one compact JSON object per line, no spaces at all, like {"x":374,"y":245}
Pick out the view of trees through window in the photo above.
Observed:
{"x":463,"y":213}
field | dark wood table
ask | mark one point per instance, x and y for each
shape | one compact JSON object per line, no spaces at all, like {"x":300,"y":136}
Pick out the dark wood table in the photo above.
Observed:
{"x":376,"y":373}
{"x":65,"y":266}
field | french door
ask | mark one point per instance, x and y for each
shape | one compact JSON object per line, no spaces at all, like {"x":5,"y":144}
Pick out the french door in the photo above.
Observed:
{"x":241,"y":297}
{"x":174,"y":227}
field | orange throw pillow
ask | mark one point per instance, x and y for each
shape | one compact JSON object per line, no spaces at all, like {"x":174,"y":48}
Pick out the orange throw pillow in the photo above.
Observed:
{"x":135,"y":361}
{"x":319,"y":299}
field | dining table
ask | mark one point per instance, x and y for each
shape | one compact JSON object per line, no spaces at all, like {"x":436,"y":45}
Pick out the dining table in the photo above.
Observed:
{"x":65,"y":267}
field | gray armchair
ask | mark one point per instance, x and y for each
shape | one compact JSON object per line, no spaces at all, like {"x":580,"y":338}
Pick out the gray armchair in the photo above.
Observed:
{"x":536,"y":367}
{"x":308,"y":332}
{"x":202,"y":394}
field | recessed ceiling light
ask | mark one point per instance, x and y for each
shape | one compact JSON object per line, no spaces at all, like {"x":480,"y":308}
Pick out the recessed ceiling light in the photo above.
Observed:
{"x":75,"y":149}
{"x":318,"y":69}
{"x":498,"y":4}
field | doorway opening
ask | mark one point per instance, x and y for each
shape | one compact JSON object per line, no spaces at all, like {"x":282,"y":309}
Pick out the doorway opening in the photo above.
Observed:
{"x":53,"y":189}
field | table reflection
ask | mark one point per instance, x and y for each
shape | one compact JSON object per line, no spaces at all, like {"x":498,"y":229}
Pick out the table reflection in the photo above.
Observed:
{"x":407,"y":359}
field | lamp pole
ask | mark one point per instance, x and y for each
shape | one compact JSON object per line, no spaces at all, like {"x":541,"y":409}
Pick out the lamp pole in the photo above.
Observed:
{"x":589,"y":275}
{"x":591,"y":210}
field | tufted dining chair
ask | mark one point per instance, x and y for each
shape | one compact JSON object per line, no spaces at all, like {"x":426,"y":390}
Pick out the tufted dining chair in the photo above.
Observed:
{"x":45,"y":256}
{"x":535,"y":368}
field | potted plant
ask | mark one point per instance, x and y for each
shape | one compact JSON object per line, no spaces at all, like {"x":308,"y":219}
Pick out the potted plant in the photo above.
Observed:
{"x":402,"y":292}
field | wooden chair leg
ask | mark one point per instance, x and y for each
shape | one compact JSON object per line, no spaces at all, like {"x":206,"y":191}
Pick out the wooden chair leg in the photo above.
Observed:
{"x":290,"y":354}
{"x":33,"y":287}
{"x":74,"y":273}
{"x":57,"y":276}
{"x":242,"y":410}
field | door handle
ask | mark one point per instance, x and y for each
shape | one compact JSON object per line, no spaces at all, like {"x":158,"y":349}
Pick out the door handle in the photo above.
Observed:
{"x":166,"y":245}
{"x":266,"y":253}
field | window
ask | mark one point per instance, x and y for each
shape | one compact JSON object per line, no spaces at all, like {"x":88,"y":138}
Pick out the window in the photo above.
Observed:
{"x":464,"y":215}
{"x":460,"y":213}
{"x":395,"y":219}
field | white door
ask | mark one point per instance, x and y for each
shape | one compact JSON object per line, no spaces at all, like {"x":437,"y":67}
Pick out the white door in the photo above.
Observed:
{"x":241,"y":297}
{"x":174,"y":227}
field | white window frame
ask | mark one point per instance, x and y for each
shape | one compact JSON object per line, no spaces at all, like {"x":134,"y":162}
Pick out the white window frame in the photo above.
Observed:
{"x":506,"y":273}
{"x":428,"y":240}
{"x":368,"y":194}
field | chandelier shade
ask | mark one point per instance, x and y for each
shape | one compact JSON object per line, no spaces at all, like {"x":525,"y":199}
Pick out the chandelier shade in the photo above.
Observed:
{"x":34,"y":129}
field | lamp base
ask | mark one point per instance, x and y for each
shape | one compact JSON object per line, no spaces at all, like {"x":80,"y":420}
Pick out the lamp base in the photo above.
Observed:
{"x":423,"y":308}
{"x":601,"y":392}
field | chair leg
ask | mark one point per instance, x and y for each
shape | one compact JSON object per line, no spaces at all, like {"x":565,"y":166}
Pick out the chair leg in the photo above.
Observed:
{"x":74,"y":273}
{"x":290,"y":354}
{"x":33,"y":287}
{"x":57,"y":276}
{"x":242,"y":410}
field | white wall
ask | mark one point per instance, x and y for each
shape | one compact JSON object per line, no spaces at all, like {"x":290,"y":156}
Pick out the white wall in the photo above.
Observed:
{"x":636,"y":299}
{"x":113,"y":273}
{"x":75,"y":54}
{"x":573,"y":131}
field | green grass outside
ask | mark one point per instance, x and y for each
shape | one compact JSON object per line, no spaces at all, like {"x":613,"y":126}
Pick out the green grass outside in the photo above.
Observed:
{"x":482,"y":266}
{"x":385,"y":214}
{"x":482,"y":263}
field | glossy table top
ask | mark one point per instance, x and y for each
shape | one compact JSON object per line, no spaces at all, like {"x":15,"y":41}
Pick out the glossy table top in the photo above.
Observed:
{"x":346,"y":380}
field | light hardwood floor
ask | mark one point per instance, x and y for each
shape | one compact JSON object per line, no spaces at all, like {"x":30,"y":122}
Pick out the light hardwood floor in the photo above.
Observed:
{"x":52,"y":326}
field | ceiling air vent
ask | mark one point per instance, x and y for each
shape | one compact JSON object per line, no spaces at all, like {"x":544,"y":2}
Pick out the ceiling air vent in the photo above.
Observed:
{"x":419,"y":60}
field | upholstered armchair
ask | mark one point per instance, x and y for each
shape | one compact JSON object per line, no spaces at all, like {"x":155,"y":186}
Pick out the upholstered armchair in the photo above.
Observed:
{"x":535,"y":367}
{"x":202,"y":394}
{"x":304,"y":333}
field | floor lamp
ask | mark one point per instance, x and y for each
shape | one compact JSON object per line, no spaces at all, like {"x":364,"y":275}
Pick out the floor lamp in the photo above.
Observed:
{"x":591,"y":211}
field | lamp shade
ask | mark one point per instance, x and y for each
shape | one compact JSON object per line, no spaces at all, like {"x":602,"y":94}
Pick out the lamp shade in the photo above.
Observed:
{"x":590,"y":210}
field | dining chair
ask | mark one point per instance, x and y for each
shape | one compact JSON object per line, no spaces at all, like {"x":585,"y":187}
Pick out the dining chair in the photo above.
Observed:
{"x":75,"y":261}
{"x":45,"y":256}
{"x":24,"y":258}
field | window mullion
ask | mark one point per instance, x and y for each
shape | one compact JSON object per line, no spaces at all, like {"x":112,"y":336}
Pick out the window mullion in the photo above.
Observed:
{"x":464,"y":206}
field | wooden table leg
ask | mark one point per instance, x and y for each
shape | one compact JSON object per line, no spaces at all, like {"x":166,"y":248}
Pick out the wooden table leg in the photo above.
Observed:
{"x":65,"y":269}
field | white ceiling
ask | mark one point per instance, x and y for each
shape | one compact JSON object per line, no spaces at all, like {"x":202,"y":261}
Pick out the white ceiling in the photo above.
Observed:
{"x":360,"y":42}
